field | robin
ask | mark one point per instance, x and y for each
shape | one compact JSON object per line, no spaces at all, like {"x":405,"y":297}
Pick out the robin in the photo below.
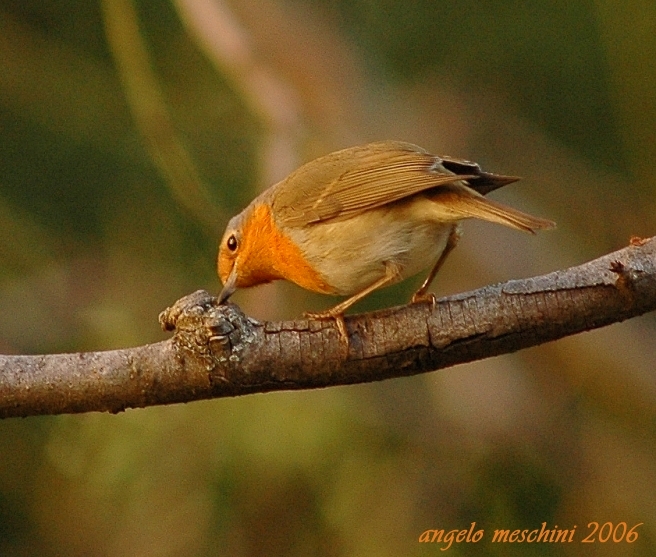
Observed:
{"x":359,"y":219}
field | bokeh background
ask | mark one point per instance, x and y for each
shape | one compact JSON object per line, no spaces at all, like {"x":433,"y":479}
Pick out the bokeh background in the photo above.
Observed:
{"x":131,"y":130}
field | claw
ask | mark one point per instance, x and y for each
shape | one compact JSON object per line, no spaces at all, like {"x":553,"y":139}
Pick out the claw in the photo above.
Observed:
{"x":340,"y":323}
{"x":426,"y":297}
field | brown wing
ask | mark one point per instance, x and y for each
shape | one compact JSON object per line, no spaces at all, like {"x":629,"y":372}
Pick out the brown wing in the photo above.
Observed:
{"x":358,"y":179}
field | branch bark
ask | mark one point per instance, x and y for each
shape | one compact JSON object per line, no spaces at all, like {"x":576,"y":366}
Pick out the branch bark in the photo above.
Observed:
{"x":217,"y":351}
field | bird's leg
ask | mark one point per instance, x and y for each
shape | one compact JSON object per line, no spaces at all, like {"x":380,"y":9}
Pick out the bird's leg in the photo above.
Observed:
{"x":452,"y":242}
{"x":337,"y":312}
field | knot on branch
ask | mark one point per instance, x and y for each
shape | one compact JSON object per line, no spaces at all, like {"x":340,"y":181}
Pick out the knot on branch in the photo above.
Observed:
{"x":202,"y":326}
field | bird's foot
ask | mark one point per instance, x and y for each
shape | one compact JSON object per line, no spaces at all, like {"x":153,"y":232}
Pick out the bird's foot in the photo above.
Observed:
{"x":424,"y":297}
{"x":340,"y":323}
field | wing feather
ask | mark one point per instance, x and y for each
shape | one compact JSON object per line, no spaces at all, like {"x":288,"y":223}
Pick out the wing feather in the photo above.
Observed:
{"x":358,"y":179}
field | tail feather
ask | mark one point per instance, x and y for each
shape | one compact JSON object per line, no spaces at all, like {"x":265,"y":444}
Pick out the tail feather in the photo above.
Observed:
{"x":472,"y":205}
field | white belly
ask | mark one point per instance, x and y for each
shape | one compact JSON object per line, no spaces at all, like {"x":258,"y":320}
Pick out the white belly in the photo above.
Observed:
{"x":353,"y":253}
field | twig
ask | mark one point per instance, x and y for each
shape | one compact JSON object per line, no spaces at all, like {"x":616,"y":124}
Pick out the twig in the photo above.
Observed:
{"x":217,"y":351}
{"x":151,"y":115}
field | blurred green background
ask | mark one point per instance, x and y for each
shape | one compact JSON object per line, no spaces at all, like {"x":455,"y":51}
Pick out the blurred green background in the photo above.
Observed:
{"x":130,"y":131}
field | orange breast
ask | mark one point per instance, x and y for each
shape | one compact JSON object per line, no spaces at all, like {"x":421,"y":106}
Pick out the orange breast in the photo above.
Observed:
{"x":269,"y":254}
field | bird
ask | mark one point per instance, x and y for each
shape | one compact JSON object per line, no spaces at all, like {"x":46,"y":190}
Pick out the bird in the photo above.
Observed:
{"x":360,"y":219}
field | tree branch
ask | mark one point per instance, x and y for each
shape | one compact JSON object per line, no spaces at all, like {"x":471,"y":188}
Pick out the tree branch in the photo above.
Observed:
{"x":217,"y":351}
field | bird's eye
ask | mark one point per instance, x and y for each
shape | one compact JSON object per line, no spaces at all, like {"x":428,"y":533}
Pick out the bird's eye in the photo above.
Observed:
{"x":231,"y":243}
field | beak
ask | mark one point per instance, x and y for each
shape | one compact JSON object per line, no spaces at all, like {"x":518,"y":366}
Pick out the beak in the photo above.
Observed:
{"x":229,"y":287}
